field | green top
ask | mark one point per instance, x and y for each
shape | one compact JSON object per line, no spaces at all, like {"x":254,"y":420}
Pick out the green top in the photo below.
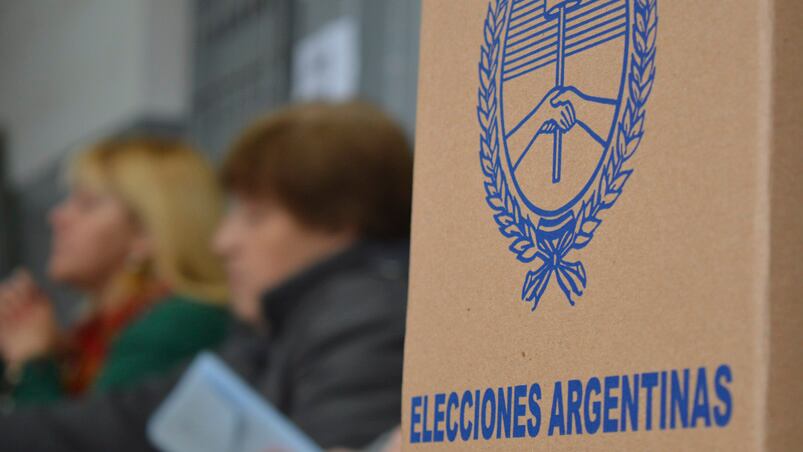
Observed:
{"x":174,"y":330}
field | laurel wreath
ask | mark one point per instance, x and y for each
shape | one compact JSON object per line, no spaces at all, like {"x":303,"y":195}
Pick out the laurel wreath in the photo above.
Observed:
{"x":526,"y":239}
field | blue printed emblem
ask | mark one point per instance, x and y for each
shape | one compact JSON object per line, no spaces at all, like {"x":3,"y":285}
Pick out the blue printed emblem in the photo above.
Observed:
{"x":553,"y":163}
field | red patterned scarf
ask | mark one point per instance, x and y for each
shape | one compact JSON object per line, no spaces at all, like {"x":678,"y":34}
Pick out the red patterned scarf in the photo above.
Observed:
{"x":89,"y":343}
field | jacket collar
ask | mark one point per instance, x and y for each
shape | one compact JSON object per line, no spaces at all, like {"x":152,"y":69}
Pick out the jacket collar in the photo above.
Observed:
{"x":279,"y":303}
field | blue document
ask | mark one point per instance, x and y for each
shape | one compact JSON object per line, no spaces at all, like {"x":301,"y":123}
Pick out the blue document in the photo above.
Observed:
{"x":213,"y":410}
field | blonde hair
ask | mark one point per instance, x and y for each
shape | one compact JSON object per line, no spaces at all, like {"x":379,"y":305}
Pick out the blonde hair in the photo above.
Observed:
{"x":173,"y":194}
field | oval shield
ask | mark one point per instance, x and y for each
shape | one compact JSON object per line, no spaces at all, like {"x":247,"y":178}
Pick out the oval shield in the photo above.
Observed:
{"x":563,"y":90}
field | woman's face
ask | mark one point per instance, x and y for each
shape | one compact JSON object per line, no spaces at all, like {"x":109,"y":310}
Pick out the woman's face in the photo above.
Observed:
{"x":93,"y":236}
{"x":263,"y":245}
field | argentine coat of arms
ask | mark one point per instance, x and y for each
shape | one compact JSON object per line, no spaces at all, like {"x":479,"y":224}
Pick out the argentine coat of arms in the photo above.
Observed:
{"x":553,"y":163}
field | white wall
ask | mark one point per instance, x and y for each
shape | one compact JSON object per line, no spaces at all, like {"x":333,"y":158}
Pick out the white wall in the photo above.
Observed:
{"x":71,"y":69}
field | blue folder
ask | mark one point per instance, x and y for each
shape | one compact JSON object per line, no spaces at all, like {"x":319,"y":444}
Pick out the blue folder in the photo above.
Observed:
{"x":213,"y":410}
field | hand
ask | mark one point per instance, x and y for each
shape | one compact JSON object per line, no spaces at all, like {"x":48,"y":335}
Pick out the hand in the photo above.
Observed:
{"x":568,"y":96}
{"x":27,"y":322}
{"x":557,"y":111}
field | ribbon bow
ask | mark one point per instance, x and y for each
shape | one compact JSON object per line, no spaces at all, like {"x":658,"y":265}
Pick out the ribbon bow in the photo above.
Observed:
{"x":552,"y":250}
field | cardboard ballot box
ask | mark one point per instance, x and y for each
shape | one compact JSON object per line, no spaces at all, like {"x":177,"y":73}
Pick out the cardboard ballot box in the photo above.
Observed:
{"x":607,"y":227}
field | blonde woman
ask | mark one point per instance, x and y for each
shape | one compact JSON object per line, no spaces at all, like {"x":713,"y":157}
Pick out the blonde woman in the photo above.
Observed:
{"x":133,"y":236}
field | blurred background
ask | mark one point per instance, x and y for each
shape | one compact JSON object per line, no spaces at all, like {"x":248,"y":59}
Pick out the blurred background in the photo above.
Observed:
{"x":72,"y":71}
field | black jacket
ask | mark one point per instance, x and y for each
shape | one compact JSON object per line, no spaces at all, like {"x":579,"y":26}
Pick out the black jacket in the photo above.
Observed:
{"x":331,"y":361}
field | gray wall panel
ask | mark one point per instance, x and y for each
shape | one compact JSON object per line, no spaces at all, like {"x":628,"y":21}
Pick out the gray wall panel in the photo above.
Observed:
{"x":243,"y":58}
{"x":241,"y":70}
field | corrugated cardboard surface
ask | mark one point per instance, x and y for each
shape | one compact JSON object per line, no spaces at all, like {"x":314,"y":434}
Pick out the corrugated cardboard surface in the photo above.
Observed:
{"x":696,"y":265}
{"x":785,"y":386}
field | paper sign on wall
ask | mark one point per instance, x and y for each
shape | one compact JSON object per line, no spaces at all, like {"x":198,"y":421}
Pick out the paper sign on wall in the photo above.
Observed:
{"x":326,"y":64}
